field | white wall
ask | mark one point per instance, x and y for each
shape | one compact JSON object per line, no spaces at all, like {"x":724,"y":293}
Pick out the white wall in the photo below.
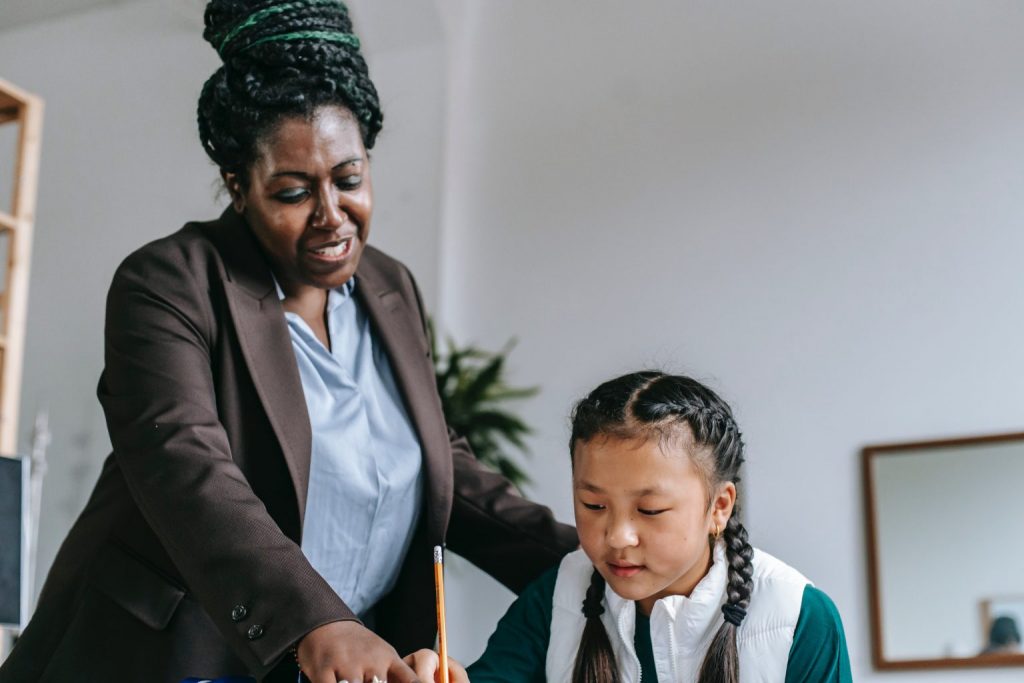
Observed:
{"x":122,"y":165}
{"x":813,"y":206}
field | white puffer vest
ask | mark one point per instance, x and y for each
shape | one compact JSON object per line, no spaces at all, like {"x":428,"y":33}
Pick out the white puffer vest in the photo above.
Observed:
{"x":682,"y":628}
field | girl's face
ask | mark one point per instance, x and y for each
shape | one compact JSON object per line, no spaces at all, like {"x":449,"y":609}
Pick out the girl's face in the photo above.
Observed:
{"x":643,"y":516}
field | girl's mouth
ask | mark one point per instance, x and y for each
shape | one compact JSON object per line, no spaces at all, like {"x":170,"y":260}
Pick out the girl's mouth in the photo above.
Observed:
{"x":625,"y":570}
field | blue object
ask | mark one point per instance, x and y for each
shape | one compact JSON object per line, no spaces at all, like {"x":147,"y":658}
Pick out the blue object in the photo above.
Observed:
{"x":365,"y":473}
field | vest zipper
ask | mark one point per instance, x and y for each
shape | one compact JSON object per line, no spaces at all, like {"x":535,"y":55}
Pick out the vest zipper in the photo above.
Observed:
{"x":630,"y":644}
{"x":672,"y":654}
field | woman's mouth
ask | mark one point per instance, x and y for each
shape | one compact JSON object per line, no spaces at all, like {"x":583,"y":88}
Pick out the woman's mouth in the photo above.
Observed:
{"x":335,"y":251}
{"x":624,"y":569}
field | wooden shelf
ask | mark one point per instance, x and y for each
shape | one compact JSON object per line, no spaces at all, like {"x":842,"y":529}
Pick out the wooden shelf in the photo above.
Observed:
{"x":7,"y":95}
{"x":10,"y":106}
{"x":12,"y":94}
{"x":26,"y":110}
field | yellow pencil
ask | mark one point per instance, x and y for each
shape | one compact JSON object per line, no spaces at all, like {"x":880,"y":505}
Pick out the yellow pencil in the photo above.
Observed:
{"x":442,"y":640}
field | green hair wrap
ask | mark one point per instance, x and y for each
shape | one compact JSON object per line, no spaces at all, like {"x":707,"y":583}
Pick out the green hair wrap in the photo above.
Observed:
{"x":257,"y":17}
{"x":332,"y":36}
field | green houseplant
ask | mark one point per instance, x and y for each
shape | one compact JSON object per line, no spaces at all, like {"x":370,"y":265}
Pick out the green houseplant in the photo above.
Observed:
{"x":474,"y":396}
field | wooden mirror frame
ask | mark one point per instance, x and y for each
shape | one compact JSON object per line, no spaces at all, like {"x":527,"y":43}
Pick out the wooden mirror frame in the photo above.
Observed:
{"x":869,"y":454}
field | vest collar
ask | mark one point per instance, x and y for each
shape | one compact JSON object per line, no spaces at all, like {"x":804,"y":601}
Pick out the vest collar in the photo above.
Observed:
{"x":685,"y":623}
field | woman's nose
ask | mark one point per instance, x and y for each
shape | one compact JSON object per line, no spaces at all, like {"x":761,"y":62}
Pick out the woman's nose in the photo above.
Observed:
{"x":621,"y":534}
{"x":328,"y":214}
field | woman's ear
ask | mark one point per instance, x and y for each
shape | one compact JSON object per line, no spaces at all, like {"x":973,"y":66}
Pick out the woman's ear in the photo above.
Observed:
{"x":721,"y":507}
{"x":234,"y":185}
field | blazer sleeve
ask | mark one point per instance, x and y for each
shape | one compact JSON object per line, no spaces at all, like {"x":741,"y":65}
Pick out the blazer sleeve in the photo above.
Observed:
{"x":509,"y":537}
{"x":158,"y":396}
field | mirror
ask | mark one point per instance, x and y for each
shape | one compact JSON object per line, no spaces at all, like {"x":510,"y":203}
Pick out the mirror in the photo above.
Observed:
{"x":945,"y":536}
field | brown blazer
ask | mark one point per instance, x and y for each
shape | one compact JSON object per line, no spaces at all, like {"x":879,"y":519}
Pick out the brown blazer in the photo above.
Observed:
{"x":185,"y":561}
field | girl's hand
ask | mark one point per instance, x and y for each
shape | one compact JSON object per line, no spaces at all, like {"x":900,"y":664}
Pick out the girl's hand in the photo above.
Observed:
{"x":348,"y":651}
{"x":427,"y":666}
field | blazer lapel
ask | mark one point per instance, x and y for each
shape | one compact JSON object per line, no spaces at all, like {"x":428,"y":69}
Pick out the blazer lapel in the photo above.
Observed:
{"x":266,"y":345}
{"x":396,"y":324}
{"x":267,"y":349}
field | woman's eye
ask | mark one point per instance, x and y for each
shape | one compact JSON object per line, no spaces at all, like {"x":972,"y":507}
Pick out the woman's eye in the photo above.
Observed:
{"x":592,"y":506}
{"x":292,"y":196}
{"x":350,"y":182}
{"x":651,"y":513}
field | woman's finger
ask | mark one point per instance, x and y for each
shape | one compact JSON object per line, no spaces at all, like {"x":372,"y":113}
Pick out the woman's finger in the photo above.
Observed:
{"x":321,"y":676}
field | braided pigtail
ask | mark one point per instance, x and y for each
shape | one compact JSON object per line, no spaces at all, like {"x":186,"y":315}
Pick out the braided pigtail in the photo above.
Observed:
{"x":722,"y":662}
{"x":595,"y":660}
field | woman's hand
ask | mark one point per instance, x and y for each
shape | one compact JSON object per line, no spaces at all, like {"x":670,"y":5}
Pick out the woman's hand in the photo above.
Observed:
{"x":427,"y":666}
{"x":348,"y":651}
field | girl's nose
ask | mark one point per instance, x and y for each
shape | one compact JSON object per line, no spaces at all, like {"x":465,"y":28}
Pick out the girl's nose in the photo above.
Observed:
{"x":328,"y":214}
{"x":621,"y":534}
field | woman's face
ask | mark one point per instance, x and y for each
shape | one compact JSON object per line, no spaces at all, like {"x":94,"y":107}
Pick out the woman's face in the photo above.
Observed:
{"x":643,"y":516}
{"x":309,"y":199}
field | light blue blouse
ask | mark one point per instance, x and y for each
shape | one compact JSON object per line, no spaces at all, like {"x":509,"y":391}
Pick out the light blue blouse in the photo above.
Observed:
{"x":365,"y":476}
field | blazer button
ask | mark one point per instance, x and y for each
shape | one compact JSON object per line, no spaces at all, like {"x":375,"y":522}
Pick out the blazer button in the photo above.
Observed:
{"x":254,"y":632}
{"x":239,"y":612}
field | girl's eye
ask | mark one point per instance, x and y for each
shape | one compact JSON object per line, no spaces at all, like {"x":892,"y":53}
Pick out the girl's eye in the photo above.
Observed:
{"x":651,"y":513}
{"x":291,"y":196}
{"x":592,"y":506}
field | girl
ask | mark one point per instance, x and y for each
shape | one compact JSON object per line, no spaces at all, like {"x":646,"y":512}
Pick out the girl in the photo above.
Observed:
{"x":670,"y":588}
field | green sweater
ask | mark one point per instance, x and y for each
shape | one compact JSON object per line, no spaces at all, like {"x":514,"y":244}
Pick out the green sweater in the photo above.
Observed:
{"x":517,"y":650}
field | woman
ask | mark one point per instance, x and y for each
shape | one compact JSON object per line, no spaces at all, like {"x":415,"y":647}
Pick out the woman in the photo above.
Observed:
{"x":281,"y":466}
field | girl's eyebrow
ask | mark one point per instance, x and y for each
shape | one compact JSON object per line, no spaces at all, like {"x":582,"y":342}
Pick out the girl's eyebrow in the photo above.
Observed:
{"x":594,"y":488}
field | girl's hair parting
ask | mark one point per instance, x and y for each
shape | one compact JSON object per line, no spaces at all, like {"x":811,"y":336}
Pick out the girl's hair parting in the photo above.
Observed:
{"x":281,"y":58}
{"x":653,"y":404}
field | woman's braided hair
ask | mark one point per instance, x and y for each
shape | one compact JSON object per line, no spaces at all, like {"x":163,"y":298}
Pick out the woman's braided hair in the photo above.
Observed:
{"x":281,"y":58}
{"x":653,"y":404}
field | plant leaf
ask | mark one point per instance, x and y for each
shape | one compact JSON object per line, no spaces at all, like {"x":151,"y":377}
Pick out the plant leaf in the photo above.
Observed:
{"x":471,"y":383}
